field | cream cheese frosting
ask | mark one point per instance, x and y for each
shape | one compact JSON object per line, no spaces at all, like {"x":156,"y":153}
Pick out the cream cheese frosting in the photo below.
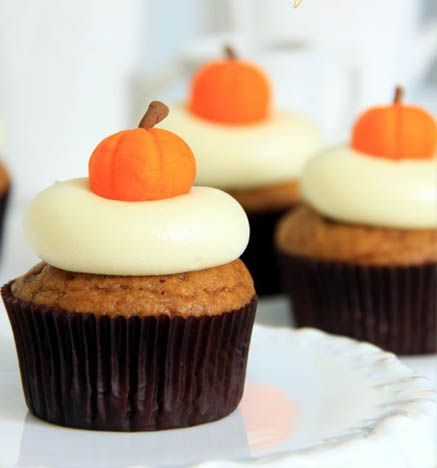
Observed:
{"x":246,"y":156}
{"x":71,"y":228}
{"x":354,"y":187}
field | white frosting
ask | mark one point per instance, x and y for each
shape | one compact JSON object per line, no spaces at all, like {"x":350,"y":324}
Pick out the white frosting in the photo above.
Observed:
{"x":246,"y":156}
{"x":71,"y":228}
{"x":349,"y":186}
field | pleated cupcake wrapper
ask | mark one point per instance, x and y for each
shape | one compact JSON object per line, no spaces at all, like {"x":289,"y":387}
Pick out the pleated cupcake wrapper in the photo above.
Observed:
{"x":260,"y":255}
{"x":3,"y":207}
{"x":392,"y":307}
{"x":129,"y":374}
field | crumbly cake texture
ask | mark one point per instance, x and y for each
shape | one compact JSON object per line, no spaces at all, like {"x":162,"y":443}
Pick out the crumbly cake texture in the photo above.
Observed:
{"x":4,"y":179}
{"x":305,"y":233}
{"x":212,"y":291}
{"x":276,"y":197}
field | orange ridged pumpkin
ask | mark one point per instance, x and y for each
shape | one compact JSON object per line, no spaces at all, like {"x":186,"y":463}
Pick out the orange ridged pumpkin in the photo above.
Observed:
{"x":142,"y":164}
{"x":230,"y":91}
{"x":397,"y":131}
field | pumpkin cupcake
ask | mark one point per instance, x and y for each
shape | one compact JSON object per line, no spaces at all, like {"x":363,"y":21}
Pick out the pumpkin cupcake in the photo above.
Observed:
{"x":244,"y":147}
{"x":360,"y":257}
{"x":4,"y":194}
{"x":140,"y":316}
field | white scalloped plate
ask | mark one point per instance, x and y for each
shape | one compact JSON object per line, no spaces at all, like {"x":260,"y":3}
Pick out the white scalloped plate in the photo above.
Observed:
{"x":311,"y":401}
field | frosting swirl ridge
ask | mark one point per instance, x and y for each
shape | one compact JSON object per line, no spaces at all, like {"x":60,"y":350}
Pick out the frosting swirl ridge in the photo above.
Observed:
{"x":71,"y":228}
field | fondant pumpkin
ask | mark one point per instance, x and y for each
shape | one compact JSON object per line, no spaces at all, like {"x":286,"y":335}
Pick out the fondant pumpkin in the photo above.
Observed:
{"x":145,"y":163}
{"x":397,"y":131}
{"x":230,"y":91}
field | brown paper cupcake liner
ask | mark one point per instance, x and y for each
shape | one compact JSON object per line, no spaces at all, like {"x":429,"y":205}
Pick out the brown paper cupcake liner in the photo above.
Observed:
{"x":129,"y":374}
{"x":393,"y":307}
{"x":3,"y":208}
{"x":260,"y":255}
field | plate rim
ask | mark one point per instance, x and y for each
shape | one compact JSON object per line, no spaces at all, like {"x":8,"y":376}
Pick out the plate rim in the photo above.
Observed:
{"x":416,"y":416}
{"x":420,"y":410}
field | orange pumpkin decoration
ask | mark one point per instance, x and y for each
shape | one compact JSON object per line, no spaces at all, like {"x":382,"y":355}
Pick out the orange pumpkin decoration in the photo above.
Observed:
{"x":397,"y":131}
{"x":142,"y":164}
{"x":230,"y":91}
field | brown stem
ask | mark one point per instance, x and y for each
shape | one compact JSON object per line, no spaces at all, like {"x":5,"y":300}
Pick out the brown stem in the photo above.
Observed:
{"x":156,"y":112}
{"x":230,"y":53}
{"x":399,"y":95}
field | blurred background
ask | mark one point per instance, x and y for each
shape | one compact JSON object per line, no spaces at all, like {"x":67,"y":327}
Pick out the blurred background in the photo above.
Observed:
{"x":73,"y":72}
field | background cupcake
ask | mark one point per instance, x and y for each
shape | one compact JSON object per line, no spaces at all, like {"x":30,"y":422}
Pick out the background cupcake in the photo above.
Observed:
{"x":245,"y":148}
{"x":360,"y":258}
{"x":4,"y":193}
{"x":141,"y":314}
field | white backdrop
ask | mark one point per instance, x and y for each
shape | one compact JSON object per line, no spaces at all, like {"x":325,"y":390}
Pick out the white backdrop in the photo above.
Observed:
{"x":65,"y":69}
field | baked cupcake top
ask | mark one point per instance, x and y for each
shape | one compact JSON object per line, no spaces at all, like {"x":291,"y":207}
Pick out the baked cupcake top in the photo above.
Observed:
{"x":385,"y":177}
{"x":4,"y":177}
{"x":239,"y":142}
{"x":137,"y":212}
{"x":194,"y":293}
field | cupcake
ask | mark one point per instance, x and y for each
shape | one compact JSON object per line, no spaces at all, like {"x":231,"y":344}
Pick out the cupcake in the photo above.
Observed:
{"x":359,"y":257}
{"x":4,"y":194}
{"x":245,"y":148}
{"x":140,"y":315}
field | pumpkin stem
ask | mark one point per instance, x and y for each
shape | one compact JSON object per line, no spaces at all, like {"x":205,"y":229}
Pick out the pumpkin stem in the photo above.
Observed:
{"x":156,"y":112}
{"x":399,"y":95}
{"x":230,"y":53}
